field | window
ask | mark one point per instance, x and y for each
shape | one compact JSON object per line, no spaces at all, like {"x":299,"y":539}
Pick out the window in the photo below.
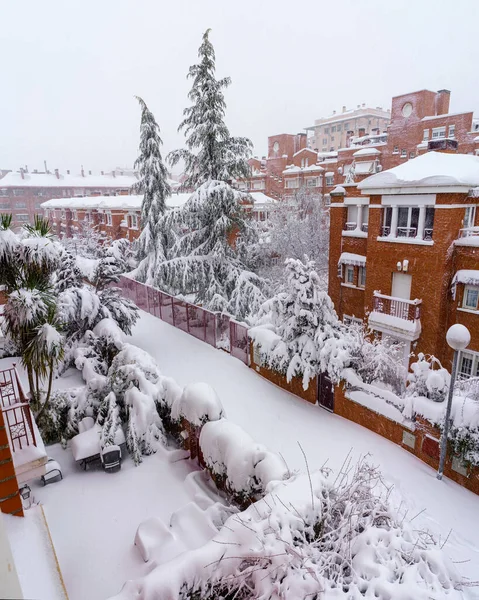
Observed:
{"x":291,"y":184}
{"x":326,"y":130}
{"x":452,"y":131}
{"x":396,"y":150}
{"x":468,"y":364}
{"x":349,"y":274}
{"x":352,"y":218}
{"x":327,"y":200}
{"x":362,"y":277}
{"x":338,"y":128}
{"x":346,"y":127}
{"x":469,"y":217}
{"x":333,"y":129}
{"x":471,"y":297}
{"x":18,"y":192}
{"x":74,"y":215}
{"x":108,"y":219}
{"x":63,"y":215}
{"x":19,"y":205}
{"x":329,"y":179}
{"x":412,"y":154}
{"x":348,"y":320}
{"x":134,"y":221}
{"x":425,"y":136}
{"x":312,"y":182}
{"x":242,"y":185}
{"x":325,"y":143}
{"x":403,"y":153}
{"x":408,"y":221}
{"x":3,"y":193}
{"x":332,"y":138}
{"x":258,"y":185}
{"x":438,"y":132}
{"x":22,"y":218}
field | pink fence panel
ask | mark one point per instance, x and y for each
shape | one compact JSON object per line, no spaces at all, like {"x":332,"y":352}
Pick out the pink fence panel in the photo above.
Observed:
{"x":166,"y":307}
{"x":141,"y":296}
{"x":151,"y":294}
{"x":222,"y":332}
{"x":210,"y":328}
{"x":196,"y":321}
{"x":180,"y":314}
{"x":239,"y":343}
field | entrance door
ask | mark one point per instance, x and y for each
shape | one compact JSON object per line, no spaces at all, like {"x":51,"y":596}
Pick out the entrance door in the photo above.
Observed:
{"x":401,"y":287}
{"x":325,"y":392}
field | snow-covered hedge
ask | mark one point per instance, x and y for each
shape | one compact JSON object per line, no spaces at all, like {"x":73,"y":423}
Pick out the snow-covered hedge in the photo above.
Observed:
{"x":197,"y":404}
{"x":244,"y":467}
{"x":311,"y":538}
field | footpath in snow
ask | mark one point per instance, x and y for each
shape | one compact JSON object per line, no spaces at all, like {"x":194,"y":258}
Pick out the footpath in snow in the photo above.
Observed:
{"x":279,"y":420}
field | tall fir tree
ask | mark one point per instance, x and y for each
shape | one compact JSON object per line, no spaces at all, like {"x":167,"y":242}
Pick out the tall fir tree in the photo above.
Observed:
{"x":68,"y":274}
{"x":211,"y":153}
{"x":154,"y":186}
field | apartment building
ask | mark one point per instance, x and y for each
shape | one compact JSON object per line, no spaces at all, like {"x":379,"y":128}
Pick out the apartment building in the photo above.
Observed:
{"x":119,"y":216}
{"x":22,"y":192}
{"x":404,"y":254}
{"x":331,"y":133}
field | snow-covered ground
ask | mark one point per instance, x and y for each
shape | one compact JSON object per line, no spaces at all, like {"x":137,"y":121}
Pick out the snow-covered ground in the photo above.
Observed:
{"x":93,"y":516}
{"x":279,"y":420}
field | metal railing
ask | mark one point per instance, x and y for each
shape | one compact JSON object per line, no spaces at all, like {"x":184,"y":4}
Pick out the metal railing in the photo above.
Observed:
{"x":408,"y":232}
{"x":16,"y":410}
{"x":468,"y":232}
{"x":397,"y":307}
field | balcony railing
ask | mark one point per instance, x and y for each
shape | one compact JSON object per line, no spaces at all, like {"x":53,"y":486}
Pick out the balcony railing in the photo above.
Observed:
{"x":406,"y":232}
{"x":397,"y":307}
{"x":16,"y":410}
{"x":468,"y":232}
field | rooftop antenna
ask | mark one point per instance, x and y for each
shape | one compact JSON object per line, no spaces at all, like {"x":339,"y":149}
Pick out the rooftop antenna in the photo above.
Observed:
{"x":46,"y":168}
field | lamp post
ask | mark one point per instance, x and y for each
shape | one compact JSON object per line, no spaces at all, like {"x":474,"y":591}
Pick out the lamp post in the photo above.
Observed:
{"x":458,"y":338}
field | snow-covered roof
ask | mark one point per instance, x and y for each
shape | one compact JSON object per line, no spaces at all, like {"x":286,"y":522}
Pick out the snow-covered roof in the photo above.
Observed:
{"x":293,"y":169}
{"x":466,"y":276}
{"x":305,"y":150}
{"x":367,"y":152}
{"x":260,"y":198}
{"x":432,"y":117}
{"x":48,"y":180}
{"x":430,"y":169}
{"x":329,"y":174}
{"x":348,"y":258}
{"x":338,"y":190}
{"x":127,"y":202}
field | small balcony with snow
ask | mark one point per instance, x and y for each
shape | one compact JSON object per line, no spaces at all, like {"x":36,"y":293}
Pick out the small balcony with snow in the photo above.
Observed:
{"x":407,"y":224}
{"x":357,"y":218}
{"x":396,"y":316}
{"x":26,"y":445}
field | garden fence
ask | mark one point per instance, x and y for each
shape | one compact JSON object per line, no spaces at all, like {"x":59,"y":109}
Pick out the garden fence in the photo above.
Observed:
{"x":216,"y":329}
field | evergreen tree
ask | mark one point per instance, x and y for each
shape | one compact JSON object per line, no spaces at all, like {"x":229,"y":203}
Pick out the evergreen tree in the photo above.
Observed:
{"x":68,"y":274}
{"x":211,"y":153}
{"x":153,"y":184}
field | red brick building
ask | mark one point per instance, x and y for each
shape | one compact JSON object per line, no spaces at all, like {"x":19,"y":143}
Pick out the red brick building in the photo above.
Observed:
{"x":404,"y":253}
{"x":22,"y":193}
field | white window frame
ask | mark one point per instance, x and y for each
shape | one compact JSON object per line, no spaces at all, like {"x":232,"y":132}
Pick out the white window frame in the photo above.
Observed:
{"x":451,"y":131}
{"x":471,"y":356}
{"x":109,"y":220}
{"x":63,"y":214}
{"x":348,"y":320}
{"x":19,"y":192}
{"x":3,"y":193}
{"x":396,"y":150}
{"x":471,"y":290}
{"x":258,"y":185}
{"x":312,"y":182}
{"x":403,"y":153}
{"x":469,"y":217}
{"x":330,"y":180}
{"x":242,"y":185}
{"x":292,"y":184}
{"x":349,"y":270}
{"x":20,"y":218}
{"x":438,"y":133}
{"x":362,"y":277}
{"x":74,"y":215}
{"x":134,"y":221}
{"x":425,"y":136}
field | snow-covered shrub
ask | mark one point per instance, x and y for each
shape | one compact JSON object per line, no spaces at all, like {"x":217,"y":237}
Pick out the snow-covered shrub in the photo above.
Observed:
{"x":54,"y":419}
{"x":428,"y":378}
{"x":312,"y":339}
{"x":375,"y":360}
{"x":312,"y":539}
{"x":68,"y":275}
{"x":244,"y":467}
{"x":197,"y":404}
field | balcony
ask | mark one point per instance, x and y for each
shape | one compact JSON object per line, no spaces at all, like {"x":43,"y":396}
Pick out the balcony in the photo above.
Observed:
{"x":28,"y":451}
{"x":469,"y":236}
{"x":396,"y":316}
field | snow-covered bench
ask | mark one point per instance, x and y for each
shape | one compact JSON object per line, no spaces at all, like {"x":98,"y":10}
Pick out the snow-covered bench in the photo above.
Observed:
{"x":86,"y":446}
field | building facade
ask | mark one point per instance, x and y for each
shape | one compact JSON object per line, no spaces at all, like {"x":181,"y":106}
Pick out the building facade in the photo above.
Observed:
{"x":404,"y":254}
{"x":22,"y":193}
{"x":331,"y":133}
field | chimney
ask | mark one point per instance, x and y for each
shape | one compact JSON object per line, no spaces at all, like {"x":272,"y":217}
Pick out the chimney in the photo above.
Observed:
{"x":344,"y":109}
{"x":89,"y":172}
{"x":375,"y":130}
{"x":334,"y":112}
{"x":22,"y":172}
{"x":113,"y":173}
{"x":57,"y":174}
{"x":82,"y":171}
{"x":363,"y":105}
{"x":26,"y":168}
{"x":361,"y":132}
{"x":103,"y":172}
{"x":45,"y":165}
{"x":68,"y":171}
{"x":441,"y":102}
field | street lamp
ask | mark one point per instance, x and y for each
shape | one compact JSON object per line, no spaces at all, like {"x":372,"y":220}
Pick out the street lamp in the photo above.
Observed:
{"x":458,"y":338}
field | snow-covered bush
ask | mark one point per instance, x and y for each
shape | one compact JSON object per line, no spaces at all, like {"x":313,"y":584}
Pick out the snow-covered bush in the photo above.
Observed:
{"x":197,"y":404}
{"x":375,"y":360}
{"x":53,"y":422}
{"x":311,"y":337}
{"x":88,"y":242}
{"x":68,"y":274}
{"x":428,"y":378}
{"x":312,"y":539}
{"x":242,"y":466}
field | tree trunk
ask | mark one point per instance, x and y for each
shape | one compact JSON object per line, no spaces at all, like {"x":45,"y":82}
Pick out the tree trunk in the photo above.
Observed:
{"x":33,"y":393}
{"x":49,"y":391}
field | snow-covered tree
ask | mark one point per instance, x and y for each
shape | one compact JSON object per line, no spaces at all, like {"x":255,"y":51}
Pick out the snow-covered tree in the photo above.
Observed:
{"x":204,"y":259}
{"x":154,"y":186}
{"x":68,"y":274}
{"x":297,"y":226}
{"x":211,"y":153}
{"x":428,"y":378}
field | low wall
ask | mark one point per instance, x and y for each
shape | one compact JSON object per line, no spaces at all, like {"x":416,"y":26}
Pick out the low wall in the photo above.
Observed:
{"x":423,"y":441}
{"x":295,"y":386}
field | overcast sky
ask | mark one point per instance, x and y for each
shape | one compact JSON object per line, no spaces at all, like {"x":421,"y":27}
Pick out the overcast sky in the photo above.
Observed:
{"x":69,"y":70}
